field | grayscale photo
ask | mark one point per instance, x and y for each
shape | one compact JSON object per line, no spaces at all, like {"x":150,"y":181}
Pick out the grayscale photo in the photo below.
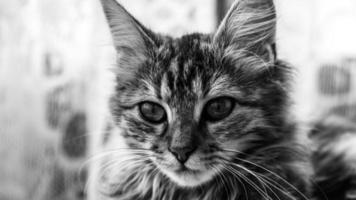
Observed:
{"x":177,"y":100}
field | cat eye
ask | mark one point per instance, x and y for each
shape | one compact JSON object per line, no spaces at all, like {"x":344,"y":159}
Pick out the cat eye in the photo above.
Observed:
{"x":219,"y":108}
{"x":152,"y":112}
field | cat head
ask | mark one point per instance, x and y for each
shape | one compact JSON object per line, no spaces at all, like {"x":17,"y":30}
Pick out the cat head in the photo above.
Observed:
{"x":195,"y":102}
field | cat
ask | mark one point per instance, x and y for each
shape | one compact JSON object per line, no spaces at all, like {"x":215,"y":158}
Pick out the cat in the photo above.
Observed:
{"x":202,"y":116}
{"x":334,"y":157}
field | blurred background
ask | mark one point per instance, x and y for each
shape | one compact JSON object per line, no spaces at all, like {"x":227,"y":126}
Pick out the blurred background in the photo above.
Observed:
{"x":54,"y":56}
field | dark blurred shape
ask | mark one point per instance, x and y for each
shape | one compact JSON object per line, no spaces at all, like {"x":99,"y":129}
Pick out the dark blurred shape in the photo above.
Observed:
{"x":75,"y":137}
{"x":58,"y":102}
{"x":334,"y":79}
{"x":67,"y":184}
{"x":81,"y":180}
{"x":58,"y":183}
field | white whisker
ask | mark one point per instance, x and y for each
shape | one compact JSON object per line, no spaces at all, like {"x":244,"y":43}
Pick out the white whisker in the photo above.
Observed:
{"x":252,"y":184}
{"x":269,"y":171}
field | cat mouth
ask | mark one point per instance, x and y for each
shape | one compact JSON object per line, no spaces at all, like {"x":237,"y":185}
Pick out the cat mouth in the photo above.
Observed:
{"x":185,"y":170}
{"x":187,"y":177}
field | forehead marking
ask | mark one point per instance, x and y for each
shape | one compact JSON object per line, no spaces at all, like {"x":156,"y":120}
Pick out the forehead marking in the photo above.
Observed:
{"x":174,"y":66}
{"x":166,"y":92}
{"x":188,"y":66}
{"x":205,"y":45}
{"x":198,"y":90}
{"x":197,"y":87}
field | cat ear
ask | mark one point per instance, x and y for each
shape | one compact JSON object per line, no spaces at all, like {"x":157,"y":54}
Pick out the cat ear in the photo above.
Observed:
{"x":132,"y":40}
{"x":249,"y":25}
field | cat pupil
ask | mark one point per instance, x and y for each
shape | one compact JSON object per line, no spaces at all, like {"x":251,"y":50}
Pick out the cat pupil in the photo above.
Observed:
{"x":152,"y":112}
{"x":219,"y":108}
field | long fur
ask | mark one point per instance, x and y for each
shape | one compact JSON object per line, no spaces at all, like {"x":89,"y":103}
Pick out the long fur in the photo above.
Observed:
{"x":334,"y":158}
{"x":253,"y":153}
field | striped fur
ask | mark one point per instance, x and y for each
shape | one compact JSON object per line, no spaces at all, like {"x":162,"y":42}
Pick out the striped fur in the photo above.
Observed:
{"x":334,"y":158}
{"x":251,"y":154}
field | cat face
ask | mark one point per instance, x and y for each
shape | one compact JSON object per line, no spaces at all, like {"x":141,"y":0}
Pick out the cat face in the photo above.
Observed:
{"x":194,"y":103}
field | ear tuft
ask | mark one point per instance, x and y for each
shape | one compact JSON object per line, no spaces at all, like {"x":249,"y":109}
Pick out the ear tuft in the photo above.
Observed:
{"x":132,"y":40}
{"x":249,"y":25}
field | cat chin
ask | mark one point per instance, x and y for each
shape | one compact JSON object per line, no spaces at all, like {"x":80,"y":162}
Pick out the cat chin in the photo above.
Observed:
{"x":189,"y":178}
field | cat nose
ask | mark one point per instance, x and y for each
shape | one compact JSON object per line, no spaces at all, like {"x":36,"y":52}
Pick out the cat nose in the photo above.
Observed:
{"x":182,"y":153}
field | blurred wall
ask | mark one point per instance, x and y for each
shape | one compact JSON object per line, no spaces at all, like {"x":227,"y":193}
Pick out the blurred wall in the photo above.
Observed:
{"x":53,"y":57}
{"x":47,"y":58}
{"x":318,"y":37}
